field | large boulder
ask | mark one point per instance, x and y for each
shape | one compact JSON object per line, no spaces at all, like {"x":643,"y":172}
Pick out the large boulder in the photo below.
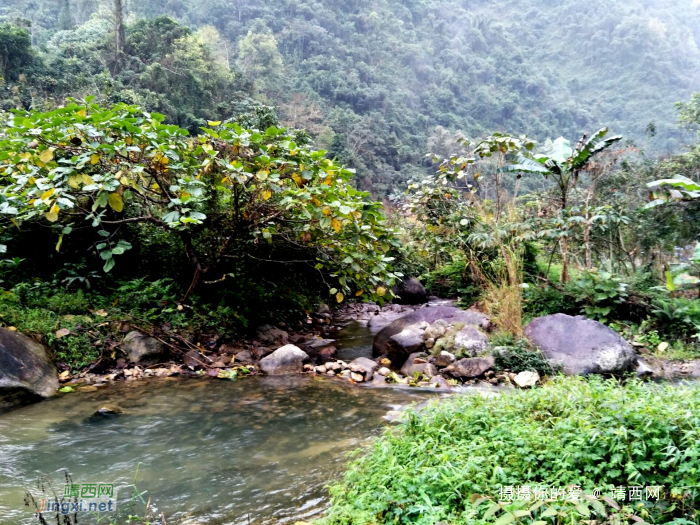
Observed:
{"x":470,"y":367}
{"x":288,"y":359}
{"x":364,"y":367}
{"x":410,"y":291}
{"x":25,"y":370}
{"x":404,"y":336}
{"x":142,"y":349}
{"x":580,"y":346}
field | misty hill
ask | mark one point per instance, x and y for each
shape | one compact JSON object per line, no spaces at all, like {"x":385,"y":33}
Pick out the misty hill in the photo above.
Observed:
{"x":371,"y":80}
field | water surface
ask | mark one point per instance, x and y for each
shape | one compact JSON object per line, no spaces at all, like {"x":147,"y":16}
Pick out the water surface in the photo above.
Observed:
{"x":256,"y":450}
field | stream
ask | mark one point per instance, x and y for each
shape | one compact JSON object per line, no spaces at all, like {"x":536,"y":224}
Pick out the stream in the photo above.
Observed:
{"x":251,"y":450}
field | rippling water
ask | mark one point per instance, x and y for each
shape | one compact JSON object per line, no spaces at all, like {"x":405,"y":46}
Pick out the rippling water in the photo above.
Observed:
{"x":257,"y":449}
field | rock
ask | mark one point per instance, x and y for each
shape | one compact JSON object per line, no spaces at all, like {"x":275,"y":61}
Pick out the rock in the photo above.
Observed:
{"x":308,"y":367}
{"x":437,"y":330}
{"x":440,"y":381}
{"x":644,"y":370}
{"x":246,"y":356}
{"x":380,"y":321}
{"x":26,"y":372}
{"x":357,"y":377}
{"x":444,"y":359}
{"x":272,"y":335}
{"x":470,"y":341}
{"x":323,"y":309}
{"x":378,"y":380}
{"x":410,"y":291}
{"x":194,"y":359}
{"x":328,"y":352}
{"x":288,"y":359}
{"x":317,"y":343}
{"x":470,"y":367}
{"x":142,"y":349}
{"x":384,"y":371}
{"x":580,"y":346}
{"x":333,"y":366}
{"x":346,"y":374}
{"x":407,"y":341}
{"x":397,"y":352}
{"x":526,"y":379}
{"x":109,"y":410}
{"x":364,"y":366}
{"x":320,"y":369}
{"x":416,"y":363}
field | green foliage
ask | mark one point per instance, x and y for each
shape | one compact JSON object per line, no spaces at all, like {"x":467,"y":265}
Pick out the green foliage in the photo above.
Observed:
{"x":517,"y":355}
{"x":539,"y":301}
{"x":107,"y":167}
{"x":453,"y":280}
{"x":599,"y":294}
{"x":591,"y":433}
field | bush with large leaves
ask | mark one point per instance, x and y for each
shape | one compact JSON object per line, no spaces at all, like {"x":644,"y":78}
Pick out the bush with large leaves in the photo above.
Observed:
{"x":99,"y":169}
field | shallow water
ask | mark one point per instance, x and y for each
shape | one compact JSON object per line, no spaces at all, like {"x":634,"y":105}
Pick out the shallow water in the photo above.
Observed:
{"x":257,"y":449}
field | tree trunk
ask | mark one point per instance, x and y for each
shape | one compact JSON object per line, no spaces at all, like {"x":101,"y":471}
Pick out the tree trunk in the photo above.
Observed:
{"x":120,"y":33}
{"x":564,"y":260}
{"x":587,"y":243}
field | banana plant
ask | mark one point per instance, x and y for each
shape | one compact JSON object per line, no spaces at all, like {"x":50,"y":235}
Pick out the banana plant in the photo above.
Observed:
{"x":563,"y":163}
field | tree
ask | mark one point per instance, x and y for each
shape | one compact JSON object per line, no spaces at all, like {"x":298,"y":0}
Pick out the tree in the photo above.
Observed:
{"x":15,"y":51}
{"x":88,"y":167}
{"x":564,"y":164}
{"x":259,"y":58}
{"x":119,"y":34}
{"x":65,"y":17}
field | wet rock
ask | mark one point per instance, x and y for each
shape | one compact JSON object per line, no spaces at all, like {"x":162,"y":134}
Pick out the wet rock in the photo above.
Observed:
{"x":328,"y":352}
{"x":26,"y":373}
{"x":346,"y":374}
{"x":440,"y":381}
{"x":363,"y":366}
{"x":271,"y":335}
{"x":526,"y":379}
{"x":320,"y":369}
{"x":410,"y":291}
{"x":247,"y":356}
{"x":288,"y":359}
{"x":378,"y":380}
{"x":470,"y":367}
{"x":416,"y":362}
{"x":323,"y":309}
{"x":444,"y":359}
{"x":142,"y":349}
{"x":357,"y":377}
{"x":316,"y":343}
{"x":109,"y":410}
{"x":308,"y":367}
{"x":384,"y":371}
{"x":333,"y":366}
{"x":380,"y":321}
{"x":580,"y":346}
{"x":194,"y":359}
{"x":398,"y":349}
{"x":644,"y":370}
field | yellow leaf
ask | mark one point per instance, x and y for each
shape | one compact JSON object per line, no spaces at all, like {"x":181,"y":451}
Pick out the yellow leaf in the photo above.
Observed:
{"x":12,"y":328}
{"x":214,"y":122}
{"x":297,"y":179}
{"x":94,"y":159}
{"x":326,"y":211}
{"x":267,"y":194}
{"x":62,"y":333}
{"x":336,"y":225}
{"x":47,"y":194}
{"x":115,"y":201}
{"x":124,"y":181}
{"x":87,"y":179}
{"x":381,"y":291}
{"x":82,"y":113}
{"x":328,"y":180}
{"x":74,"y":181}
{"x":359,"y":293}
{"x":316,"y":201}
{"x":46,"y":156}
{"x":52,"y":216}
{"x":339,"y":297}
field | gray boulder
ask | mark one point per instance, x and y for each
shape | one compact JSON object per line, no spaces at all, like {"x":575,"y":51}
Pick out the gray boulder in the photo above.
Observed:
{"x":444,"y":359}
{"x":410,"y":291}
{"x":470,"y":367}
{"x":288,"y":359}
{"x":364,"y":366}
{"x":413,"y":326}
{"x":580,"y":346}
{"x":142,"y":349}
{"x":470,"y":341}
{"x":418,"y":362}
{"x":25,"y":370}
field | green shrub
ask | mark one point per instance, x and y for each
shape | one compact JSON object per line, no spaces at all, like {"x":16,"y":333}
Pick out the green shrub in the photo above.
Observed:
{"x":453,"y":280}
{"x":517,"y":355}
{"x":539,"y":301}
{"x":592,"y":433}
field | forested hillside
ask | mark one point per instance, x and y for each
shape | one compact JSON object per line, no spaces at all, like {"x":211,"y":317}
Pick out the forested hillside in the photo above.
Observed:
{"x":372,"y":80}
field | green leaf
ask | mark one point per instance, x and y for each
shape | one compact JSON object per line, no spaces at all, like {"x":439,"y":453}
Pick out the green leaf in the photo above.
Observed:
{"x":109,"y":264}
{"x":505,"y":519}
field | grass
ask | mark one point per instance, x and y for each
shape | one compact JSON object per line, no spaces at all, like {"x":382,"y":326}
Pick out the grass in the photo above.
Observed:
{"x":593,"y":433}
